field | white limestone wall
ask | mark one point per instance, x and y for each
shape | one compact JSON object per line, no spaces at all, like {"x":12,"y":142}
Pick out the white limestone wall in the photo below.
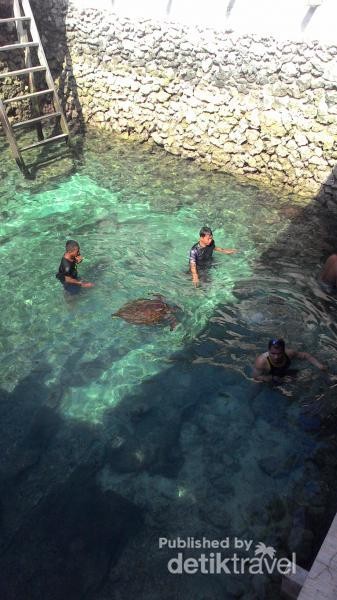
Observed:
{"x":247,"y":104}
{"x":284,"y":19}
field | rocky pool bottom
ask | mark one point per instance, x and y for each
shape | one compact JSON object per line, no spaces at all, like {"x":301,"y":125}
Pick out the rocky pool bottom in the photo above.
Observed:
{"x":116,"y":436}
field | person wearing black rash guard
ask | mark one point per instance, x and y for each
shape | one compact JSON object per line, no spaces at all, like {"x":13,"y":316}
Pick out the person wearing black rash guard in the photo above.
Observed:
{"x":201,"y":253}
{"x":67,"y":273}
{"x":275,"y":364}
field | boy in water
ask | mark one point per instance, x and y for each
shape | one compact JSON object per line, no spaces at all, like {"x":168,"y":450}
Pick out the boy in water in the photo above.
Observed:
{"x":67,"y":272}
{"x":201,"y":253}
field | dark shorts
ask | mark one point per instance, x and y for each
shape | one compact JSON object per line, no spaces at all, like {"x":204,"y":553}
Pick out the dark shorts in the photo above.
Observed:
{"x":205,"y":275}
{"x":71,"y":290}
{"x":204,"y":271}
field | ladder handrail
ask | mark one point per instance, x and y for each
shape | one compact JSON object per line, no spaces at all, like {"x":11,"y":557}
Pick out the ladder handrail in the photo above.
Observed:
{"x":23,"y":13}
{"x":23,"y":37}
{"x":43,"y":61}
{"x":11,"y":139}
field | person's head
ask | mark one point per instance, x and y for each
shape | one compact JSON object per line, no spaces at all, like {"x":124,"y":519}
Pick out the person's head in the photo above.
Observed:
{"x":276,"y":349}
{"x":206,"y":235}
{"x":72,"y":248}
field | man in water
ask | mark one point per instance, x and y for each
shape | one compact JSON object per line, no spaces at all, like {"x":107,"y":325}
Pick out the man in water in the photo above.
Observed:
{"x":201,"y":253}
{"x":67,"y":272}
{"x":328,"y":276}
{"x":274,"y":364}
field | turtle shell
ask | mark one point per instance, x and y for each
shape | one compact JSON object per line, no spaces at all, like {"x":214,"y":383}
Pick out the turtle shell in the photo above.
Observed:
{"x":144,"y":311}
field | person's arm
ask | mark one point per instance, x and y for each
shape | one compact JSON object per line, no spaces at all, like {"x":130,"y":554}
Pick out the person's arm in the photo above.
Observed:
{"x":260,"y":370}
{"x":74,"y":281}
{"x":225,"y":250}
{"x":193,"y":266}
{"x":308,"y":357}
{"x":194,"y":271}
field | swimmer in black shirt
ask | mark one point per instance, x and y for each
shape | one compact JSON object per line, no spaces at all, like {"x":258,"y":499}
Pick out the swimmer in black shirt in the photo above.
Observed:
{"x":201,"y":253}
{"x":274,"y":364}
{"x":67,"y":272}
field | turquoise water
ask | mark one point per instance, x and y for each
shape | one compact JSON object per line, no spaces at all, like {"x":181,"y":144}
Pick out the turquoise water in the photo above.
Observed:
{"x":171,"y":420}
{"x":132,"y":249}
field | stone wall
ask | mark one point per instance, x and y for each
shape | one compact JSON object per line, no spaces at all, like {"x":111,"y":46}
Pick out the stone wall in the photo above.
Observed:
{"x":257,"y":107}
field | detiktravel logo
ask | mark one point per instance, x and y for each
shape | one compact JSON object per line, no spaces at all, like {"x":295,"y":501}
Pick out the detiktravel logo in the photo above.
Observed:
{"x":246,"y":557}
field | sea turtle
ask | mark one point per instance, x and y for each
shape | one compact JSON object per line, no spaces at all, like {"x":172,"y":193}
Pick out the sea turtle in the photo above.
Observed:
{"x":145,"y":311}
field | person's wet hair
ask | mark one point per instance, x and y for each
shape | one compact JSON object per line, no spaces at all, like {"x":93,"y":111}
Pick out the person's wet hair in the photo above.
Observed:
{"x":205,"y":231}
{"x":71,"y":245}
{"x":277,"y":343}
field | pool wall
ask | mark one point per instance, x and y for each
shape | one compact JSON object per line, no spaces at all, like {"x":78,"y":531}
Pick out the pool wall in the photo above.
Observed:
{"x":243,"y":104}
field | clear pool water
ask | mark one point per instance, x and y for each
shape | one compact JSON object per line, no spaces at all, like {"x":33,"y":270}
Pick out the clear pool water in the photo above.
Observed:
{"x":165,"y":427}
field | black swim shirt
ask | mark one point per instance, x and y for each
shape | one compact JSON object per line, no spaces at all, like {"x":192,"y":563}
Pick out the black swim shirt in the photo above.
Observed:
{"x":201,"y":255}
{"x":67,"y":267}
{"x":282,"y":369}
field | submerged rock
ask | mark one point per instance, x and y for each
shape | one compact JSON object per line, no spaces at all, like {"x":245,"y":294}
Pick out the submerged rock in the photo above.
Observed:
{"x":276,"y":466}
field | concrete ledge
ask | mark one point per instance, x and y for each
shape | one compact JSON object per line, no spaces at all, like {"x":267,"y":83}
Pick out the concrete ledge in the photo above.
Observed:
{"x":293,"y":583}
{"x":320,"y":583}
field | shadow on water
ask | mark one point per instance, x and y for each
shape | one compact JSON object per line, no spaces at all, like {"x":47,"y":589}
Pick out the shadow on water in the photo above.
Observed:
{"x":62,"y":532}
{"x":296,"y":257}
{"x":60,"y":539}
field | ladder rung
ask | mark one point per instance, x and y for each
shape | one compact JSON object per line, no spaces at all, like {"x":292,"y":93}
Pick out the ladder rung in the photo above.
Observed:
{"x":8,"y":100}
{"x":23,"y":71}
{"x":36,"y":119}
{"x":47,"y":141}
{"x":18,"y":46}
{"x":13,"y":19}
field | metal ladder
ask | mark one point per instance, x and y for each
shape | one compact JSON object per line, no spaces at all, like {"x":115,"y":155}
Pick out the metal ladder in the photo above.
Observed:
{"x":24,"y":22}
